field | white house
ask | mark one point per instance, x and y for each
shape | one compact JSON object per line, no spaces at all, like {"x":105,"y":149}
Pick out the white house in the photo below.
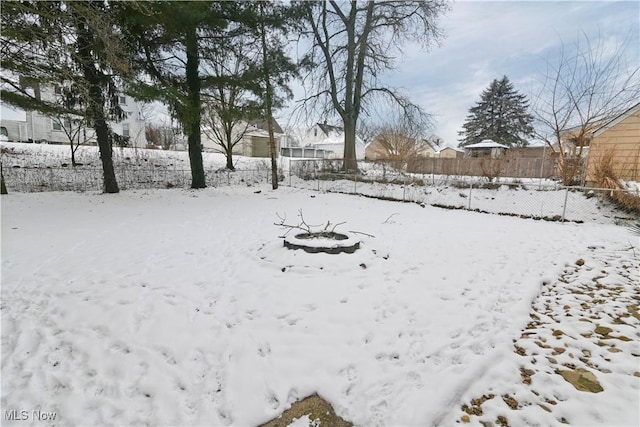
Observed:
{"x":34,"y":126}
{"x":330,"y":138}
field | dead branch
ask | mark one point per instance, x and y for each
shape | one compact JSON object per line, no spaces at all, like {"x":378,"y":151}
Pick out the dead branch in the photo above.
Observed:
{"x":386,"y":221}
{"x":360,"y":232}
{"x":303,"y":226}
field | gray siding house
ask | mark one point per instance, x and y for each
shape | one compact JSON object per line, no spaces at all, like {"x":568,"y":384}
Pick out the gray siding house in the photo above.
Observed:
{"x":41,"y":128}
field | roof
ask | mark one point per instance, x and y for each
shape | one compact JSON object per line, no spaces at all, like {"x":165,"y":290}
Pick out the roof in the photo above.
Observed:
{"x":453,"y":148}
{"x":536,"y":143}
{"x":262,"y":124}
{"x":600,"y":126}
{"x":486,"y":143}
{"x":335,"y":140}
{"x":631,"y":111}
{"x":434,"y":145}
{"x":327,"y":129}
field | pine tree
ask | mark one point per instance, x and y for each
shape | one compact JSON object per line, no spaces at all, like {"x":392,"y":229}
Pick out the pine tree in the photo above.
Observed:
{"x":501,"y":115}
{"x":171,"y":41}
{"x":74,"y":44}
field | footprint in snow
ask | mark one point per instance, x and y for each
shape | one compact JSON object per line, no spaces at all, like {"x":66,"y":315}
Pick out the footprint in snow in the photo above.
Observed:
{"x":264,"y":350}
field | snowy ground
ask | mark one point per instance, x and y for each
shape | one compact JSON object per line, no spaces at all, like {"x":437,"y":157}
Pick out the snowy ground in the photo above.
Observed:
{"x":179,"y":307}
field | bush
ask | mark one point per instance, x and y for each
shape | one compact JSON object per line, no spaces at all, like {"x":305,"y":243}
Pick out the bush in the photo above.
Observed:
{"x":606,"y":177}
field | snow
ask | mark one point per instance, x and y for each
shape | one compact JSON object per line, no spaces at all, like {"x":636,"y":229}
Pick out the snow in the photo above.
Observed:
{"x":486,"y":143}
{"x":304,"y":421}
{"x":183,"y":307}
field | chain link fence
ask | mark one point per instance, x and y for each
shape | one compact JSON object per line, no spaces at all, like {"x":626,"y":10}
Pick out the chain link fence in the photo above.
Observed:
{"x":37,"y":179}
{"x":528,"y":198}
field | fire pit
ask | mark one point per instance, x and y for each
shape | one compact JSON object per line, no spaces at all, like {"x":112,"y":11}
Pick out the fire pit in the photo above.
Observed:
{"x":329,"y":242}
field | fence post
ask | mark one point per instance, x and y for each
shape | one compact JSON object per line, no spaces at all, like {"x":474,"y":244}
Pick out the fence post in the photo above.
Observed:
{"x":355,"y":184}
{"x":542,"y":166}
{"x":470,"y":188}
{"x":564,"y":208}
{"x":404,"y":188}
{"x":433,"y":171}
{"x":290,"y":170}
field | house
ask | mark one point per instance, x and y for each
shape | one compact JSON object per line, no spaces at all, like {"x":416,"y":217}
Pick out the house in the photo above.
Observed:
{"x":536,"y":149}
{"x":35,"y":126}
{"x":330,"y":139}
{"x":616,"y":142}
{"x":485,"y":148}
{"x":254,"y":141}
{"x":450,"y":153}
{"x":430,"y":148}
{"x":577,"y":140}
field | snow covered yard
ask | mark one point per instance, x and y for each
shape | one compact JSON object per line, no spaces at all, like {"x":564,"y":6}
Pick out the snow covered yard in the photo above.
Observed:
{"x":178,"y":307}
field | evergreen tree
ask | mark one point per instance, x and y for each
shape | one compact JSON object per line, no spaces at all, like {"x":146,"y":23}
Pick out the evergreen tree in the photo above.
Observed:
{"x":501,"y":115}
{"x":74,"y":44}
{"x":171,"y":41}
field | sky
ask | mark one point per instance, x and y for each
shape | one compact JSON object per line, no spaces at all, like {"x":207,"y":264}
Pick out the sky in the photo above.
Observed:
{"x":488,"y":40}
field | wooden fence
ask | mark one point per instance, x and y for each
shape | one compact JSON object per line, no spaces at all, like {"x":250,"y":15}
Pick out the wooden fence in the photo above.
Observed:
{"x":518,"y":167}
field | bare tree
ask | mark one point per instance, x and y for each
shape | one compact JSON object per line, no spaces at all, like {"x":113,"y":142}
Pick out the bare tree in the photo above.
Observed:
{"x":160,"y":135}
{"x":228,"y":105}
{"x":223,"y":130}
{"x":366,"y":130}
{"x":353,"y":43}
{"x":585,"y":87}
{"x":75,"y":129}
{"x":400,"y":139}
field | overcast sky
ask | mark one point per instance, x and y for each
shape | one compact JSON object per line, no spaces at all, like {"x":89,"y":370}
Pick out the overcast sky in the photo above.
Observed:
{"x":487,"y":40}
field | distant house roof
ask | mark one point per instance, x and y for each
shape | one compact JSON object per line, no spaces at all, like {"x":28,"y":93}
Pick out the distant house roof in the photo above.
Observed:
{"x":535,"y":143}
{"x":453,"y":148}
{"x":262,"y":125}
{"x":486,"y":143}
{"x":634,"y":109}
{"x":434,"y":145}
{"x":327,"y":129}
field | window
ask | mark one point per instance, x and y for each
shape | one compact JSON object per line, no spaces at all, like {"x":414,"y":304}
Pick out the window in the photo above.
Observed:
{"x":56,"y":124}
{"x":125,"y":129}
{"x":57,"y":90}
{"x":123,"y":100}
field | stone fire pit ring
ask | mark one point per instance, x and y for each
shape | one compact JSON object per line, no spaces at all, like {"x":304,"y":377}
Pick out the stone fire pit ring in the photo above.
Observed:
{"x":329,"y":242}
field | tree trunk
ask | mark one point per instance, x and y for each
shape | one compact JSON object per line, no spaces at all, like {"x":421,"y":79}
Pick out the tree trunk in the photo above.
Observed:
{"x":272,"y":152}
{"x":96,"y":99}
{"x":3,"y":188}
{"x":193,"y":112}
{"x":102,"y":130}
{"x":73,"y":150}
{"x":104,"y":144}
{"x":229,"y":152}
{"x":350,"y":164}
{"x":268,"y":103}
